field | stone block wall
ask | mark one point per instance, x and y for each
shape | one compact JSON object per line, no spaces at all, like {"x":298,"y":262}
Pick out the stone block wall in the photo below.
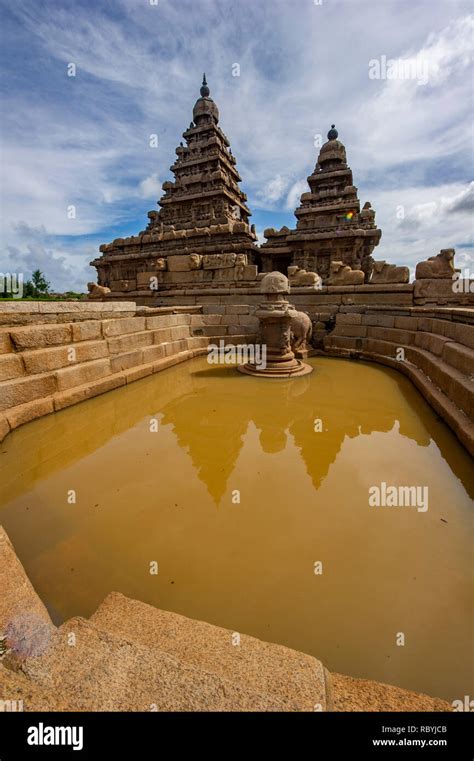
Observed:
{"x":434,"y":347}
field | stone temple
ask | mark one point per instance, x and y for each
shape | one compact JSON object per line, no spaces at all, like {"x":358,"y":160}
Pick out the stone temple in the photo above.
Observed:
{"x":331,"y":226}
{"x":201,"y":234}
{"x":201,"y":238}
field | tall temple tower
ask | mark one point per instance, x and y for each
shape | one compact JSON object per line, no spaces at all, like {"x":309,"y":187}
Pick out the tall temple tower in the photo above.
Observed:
{"x":201,"y":234}
{"x":331,"y":225}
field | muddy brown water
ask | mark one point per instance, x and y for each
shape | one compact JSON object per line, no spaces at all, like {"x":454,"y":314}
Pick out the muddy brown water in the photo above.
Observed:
{"x":252,"y":497}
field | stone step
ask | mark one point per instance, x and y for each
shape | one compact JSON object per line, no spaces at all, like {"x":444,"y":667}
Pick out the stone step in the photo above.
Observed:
{"x":350,"y":694}
{"x":11,"y":366}
{"x":18,"y":693}
{"x":265,"y":667}
{"x":460,"y":357}
{"x":56,"y":357}
{"x":40,"y":336}
{"x":455,"y":384}
{"x":456,"y":331}
{"x":26,"y":389}
{"x":103,"y":671}
{"x":431,"y":342}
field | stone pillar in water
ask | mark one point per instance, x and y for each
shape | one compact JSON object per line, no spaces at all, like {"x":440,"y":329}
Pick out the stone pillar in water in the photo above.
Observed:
{"x":275,"y":315}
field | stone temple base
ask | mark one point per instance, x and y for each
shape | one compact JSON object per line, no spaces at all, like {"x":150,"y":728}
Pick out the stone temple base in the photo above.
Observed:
{"x":283,"y":370}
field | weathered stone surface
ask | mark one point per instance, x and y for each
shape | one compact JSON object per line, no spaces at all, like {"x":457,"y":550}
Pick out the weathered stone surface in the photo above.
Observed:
{"x":24,"y":413}
{"x":78,"y":394}
{"x":179,"y":263}
{"x":39,"y":336}
{"x":246,"y":272}
{"x":86,"y":372}
{"x":152,"y":353}
{"x":459,"y":356}
{"x":348,"y":319}
{"x":5,"y":342}
{"x":89,"y":330}
{"x":287,"y":675}
{"x":11,"y":366}
{"x":351,"y":694}
{"x":123,"y":286}
{"x":218,"y":261}
{"x":23,"y":617}
{"x":15,"y":686}
{"x":431,"y":342}
{"x":160,"y":321}
{"x":121,"y":344}
{"x":152,"y":677}
{"x":126,"y":361}
{"x":353,"y":331}
{"x":136,"y":373}
{"x":161,"y":336}
{"x":234,"y":309}
{"x":121,"y":326}
{"x":400,"y":337}
{"x":438,"y":291}
{"x":43,"y":360}
{"x":407,"y":323}
{"x":22,"y":390}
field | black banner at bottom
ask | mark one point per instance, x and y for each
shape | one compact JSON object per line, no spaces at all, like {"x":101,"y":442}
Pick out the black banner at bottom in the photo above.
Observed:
{"x":109,"y":735}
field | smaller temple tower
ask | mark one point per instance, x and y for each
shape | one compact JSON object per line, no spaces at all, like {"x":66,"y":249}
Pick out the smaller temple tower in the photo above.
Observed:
{"x":331,"y":225}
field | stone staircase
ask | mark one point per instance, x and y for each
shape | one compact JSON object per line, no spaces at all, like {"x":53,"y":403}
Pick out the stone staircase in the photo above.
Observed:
{"x":435,"y":350}
{"x":130,"y":656}
{"x":45,"y":367}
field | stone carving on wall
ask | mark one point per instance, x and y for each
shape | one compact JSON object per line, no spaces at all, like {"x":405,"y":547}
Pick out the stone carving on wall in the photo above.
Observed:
{"x":342,"y":274}
{"x":389,"y":273}
{"x":367,"y":214}
{"x":439,"y":266}
{"x":218,"y":261}
{"x":161,"y":264}
{"x":195,"y":261}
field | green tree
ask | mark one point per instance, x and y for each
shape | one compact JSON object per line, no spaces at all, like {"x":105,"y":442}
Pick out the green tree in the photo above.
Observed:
{"x":28,"y":289}
{"x":40,"y":284}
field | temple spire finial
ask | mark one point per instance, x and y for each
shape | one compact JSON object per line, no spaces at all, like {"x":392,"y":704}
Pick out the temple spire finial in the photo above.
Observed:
{"x":333,"y":133}
{"x":205,"y":92}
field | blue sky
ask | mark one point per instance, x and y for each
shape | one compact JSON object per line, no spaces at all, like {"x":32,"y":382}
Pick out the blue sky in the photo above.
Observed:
{"x":84,"y":141}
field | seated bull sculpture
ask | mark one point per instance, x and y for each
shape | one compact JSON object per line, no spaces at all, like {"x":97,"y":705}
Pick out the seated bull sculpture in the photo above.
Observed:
{"x":299,"y":277}
{"x":342,"y":274}
{"x":389,"y":273}
{"x":439,"y":266}
{"x":97,"y":291}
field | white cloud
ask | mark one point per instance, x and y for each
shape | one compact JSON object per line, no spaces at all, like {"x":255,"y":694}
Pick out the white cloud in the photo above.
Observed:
{"x":150,"y":187}
{"x":293,"y":197}
{"x":272,"y":191}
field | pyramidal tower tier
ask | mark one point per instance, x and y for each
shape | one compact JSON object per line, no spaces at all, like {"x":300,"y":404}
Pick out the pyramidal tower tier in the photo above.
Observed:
{"x":330,"y":223}
{"x":200,"y":236}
